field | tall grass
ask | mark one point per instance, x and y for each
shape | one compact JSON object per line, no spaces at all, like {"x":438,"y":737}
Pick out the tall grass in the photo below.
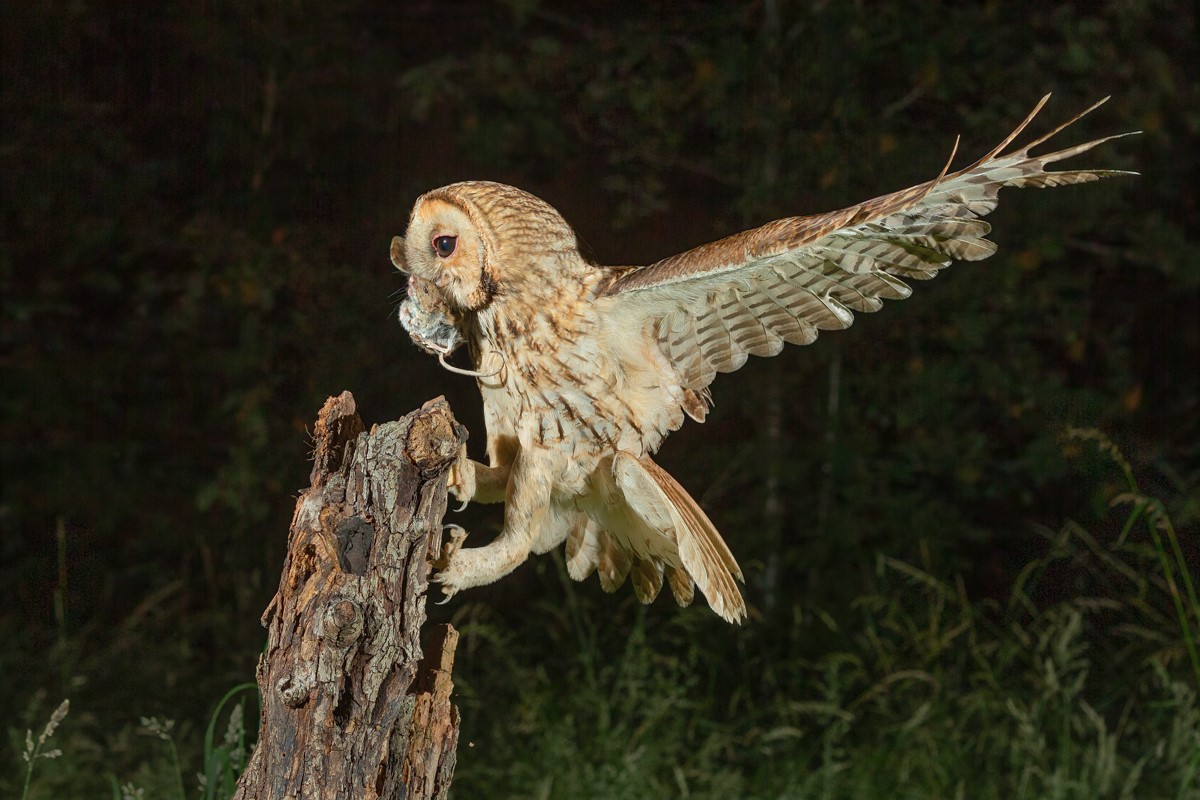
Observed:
{"x":35,"y":750}
{"x":162,"y":772}
{"x":930,"y":696}
{"x":1153,"y":514}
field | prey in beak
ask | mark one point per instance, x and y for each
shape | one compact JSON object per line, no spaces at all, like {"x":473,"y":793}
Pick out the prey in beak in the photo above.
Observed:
{"x":429,"y":320}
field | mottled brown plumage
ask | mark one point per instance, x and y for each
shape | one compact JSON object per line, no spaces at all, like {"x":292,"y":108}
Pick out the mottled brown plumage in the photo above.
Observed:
{"x":585,"y":369}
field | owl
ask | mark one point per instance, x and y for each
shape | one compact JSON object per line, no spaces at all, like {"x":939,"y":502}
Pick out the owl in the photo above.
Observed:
{"x":584,"y":369}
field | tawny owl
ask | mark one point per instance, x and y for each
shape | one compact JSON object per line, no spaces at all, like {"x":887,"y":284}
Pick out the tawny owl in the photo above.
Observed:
{"x":584,"y":369}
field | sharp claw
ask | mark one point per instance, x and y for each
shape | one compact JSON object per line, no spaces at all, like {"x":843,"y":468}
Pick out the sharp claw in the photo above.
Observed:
{"x":462,"y":507}
{"x":444,"y":600}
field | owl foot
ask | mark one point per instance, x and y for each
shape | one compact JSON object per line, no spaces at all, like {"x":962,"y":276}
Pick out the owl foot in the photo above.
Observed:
{"x":448,"y":577}
{"x":451,"y":546}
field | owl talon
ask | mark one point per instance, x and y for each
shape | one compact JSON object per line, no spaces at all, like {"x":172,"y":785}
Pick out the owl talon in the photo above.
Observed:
{"x":449,"y":547}
{"x":460,"y":480}
{"x":449,"y":574}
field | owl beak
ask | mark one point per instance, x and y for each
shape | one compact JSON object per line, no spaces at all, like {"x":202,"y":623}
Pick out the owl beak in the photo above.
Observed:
{"x":398,"y":254}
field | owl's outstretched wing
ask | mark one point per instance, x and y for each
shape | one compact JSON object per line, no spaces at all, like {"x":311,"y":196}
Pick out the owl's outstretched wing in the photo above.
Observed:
{"x":712,"y":307}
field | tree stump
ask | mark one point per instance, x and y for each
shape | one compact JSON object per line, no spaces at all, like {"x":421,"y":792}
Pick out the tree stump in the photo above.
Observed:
{"x":350,"y":709}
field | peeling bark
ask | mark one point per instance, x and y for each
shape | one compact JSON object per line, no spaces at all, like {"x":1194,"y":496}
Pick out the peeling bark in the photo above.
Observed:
{"x":351,"y":708}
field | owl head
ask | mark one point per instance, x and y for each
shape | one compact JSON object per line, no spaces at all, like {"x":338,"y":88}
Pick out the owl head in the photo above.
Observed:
{"x":478,"y":241}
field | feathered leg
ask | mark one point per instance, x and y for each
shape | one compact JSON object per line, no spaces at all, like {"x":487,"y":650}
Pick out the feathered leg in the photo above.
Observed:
{"x":526,"y":510}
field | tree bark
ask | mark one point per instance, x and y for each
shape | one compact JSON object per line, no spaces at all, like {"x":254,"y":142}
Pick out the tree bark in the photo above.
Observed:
{"x":350,"y":709}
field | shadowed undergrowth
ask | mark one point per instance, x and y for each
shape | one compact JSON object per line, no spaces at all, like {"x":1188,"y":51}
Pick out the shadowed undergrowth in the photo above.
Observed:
{"x":928,"y":695}
{"x":1081,"y":685}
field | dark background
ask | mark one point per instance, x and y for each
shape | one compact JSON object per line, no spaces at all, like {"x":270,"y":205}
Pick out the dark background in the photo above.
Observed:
{"x":197,"y":204}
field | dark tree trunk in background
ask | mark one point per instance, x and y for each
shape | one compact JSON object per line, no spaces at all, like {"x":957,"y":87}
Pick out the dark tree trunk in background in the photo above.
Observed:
{"x":351,"y":708}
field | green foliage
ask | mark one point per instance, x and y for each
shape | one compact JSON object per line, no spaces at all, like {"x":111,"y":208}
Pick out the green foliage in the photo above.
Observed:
{"x":224,"y":761}
{"x":161,"y":729}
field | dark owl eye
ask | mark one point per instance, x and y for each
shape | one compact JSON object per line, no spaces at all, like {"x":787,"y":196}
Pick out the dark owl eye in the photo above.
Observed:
{"x":444,"y":245}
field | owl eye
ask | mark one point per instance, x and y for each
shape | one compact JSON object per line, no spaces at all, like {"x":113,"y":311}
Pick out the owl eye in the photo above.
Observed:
{"x":444,"y":245}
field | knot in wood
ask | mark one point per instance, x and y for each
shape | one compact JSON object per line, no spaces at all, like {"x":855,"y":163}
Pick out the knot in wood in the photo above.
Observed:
{"x":293,"y":690}
{"x":433,"y":437}
{"x":343,"y":623}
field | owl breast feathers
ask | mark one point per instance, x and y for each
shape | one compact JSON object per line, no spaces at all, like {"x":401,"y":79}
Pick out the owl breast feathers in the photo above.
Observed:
{"x":584,"y":369}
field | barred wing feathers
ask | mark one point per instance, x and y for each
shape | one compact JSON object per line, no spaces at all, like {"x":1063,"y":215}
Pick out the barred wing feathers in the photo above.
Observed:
{"x":712,"y":307}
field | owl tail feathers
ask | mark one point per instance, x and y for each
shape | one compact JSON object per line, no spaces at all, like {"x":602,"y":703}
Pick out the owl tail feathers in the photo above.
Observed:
{"x":590,"y":549}
{"x":583,"y":548}
{"x":614,"y":564}
{"x":660,"y":502}
{"x":647,"y":576}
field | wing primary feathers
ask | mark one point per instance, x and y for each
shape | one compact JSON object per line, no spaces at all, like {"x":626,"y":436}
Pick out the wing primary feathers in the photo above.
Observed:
{"x":1067,"y":152}
{"x":1064,"y":125}
{"x":933,"y":184}
{"x":701,"y":523}
{"x":727,"y":260}
{"x":998,"y":149}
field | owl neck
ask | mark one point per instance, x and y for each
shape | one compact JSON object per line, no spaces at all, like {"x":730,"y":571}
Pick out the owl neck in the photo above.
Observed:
{"x":537,"y":316}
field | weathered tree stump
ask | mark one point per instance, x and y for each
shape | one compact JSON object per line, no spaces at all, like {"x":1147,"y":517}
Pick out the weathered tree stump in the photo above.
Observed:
{"x":350,"y":708}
